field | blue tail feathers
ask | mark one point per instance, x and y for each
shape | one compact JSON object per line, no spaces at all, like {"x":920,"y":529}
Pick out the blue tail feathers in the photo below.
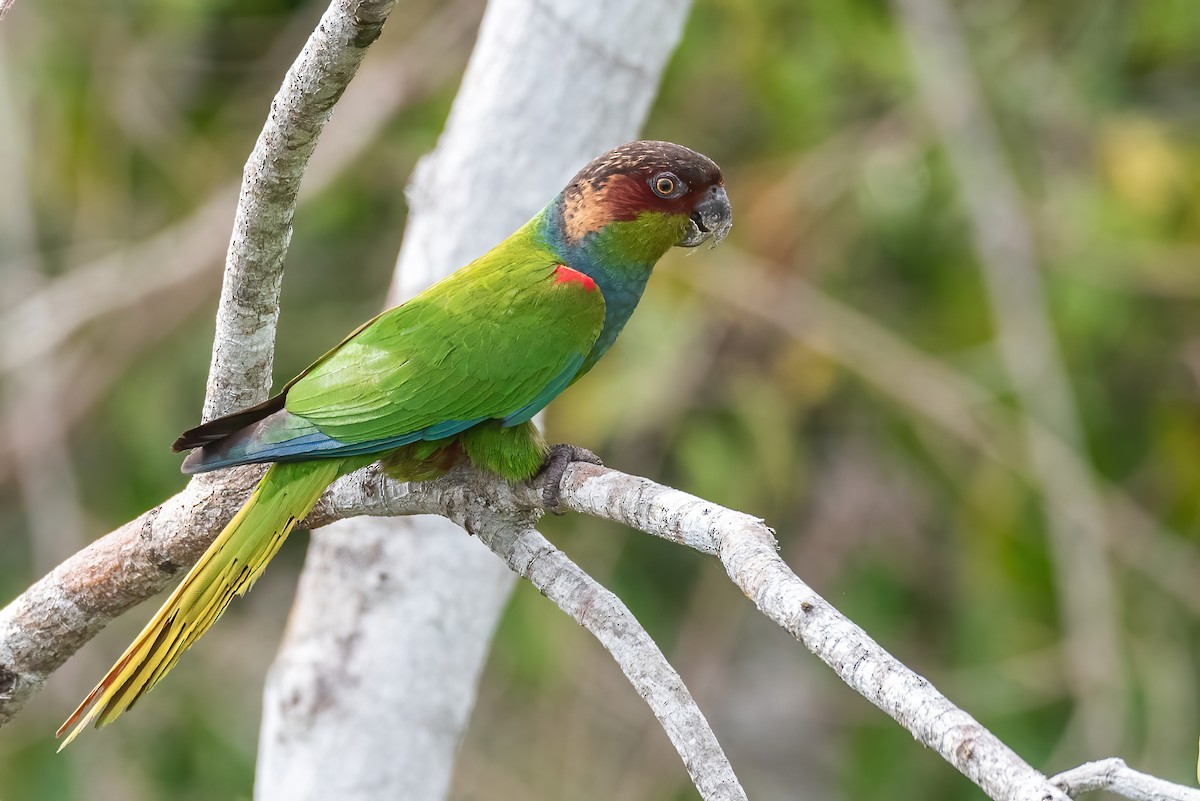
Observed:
{"x":284,"y":437}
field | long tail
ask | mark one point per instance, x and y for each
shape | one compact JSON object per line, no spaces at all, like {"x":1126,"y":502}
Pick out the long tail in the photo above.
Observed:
{"x":229,"y":567}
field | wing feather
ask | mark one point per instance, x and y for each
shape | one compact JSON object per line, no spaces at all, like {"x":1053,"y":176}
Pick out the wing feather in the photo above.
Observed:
{"x":494,"y":341}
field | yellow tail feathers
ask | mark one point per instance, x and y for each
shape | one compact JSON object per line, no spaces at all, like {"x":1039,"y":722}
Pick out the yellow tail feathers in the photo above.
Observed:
{"x":228,"y":568}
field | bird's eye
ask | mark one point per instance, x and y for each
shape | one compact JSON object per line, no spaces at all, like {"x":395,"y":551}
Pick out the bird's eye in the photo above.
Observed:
{"x":665,"y":184}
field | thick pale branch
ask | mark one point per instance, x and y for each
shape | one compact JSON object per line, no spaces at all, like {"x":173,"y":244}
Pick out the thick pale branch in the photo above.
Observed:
{"x":52,"y":619}
{"x":140,"y":558}
{"x":748,"y":551}
{"x":84,"y":592}
{"x":244,"y":346}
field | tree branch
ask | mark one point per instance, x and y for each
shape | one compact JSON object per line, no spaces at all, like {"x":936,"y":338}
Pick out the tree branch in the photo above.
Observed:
{"x":1114,"y":776}
{"x":174,"y":258}
{"x":748,"y":551}
{"x":42,"y":627}
{"x":310,"y":686}
{"x":240,"y":374}
{"x":51,"y":620}
{"x":530,"y":555}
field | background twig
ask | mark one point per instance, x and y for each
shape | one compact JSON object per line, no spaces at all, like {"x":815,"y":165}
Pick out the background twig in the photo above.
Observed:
{"x":1005,"y":247}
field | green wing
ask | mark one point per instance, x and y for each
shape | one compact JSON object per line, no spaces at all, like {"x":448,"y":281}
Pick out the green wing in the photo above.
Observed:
{"x":493,"y":341}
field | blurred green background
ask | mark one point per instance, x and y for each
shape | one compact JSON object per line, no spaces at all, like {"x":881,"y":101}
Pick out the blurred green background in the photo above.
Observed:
{"x":833,"y":368}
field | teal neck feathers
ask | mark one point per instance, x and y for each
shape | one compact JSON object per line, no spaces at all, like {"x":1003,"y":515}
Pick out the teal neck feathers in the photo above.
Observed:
{"x":618,"y":256}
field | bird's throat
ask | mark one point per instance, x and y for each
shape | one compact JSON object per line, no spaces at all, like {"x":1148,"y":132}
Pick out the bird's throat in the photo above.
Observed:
{"x":619,"y":258}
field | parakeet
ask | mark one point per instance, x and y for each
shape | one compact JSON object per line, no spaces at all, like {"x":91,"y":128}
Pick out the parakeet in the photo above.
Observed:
{"x":455,"y":374}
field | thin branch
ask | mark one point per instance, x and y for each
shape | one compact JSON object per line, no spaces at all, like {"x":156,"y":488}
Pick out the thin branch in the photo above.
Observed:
{"x":240,"y":374}
{"x":168,"y":267}
{"x":242,"y":349}
{"x":1114,"y":776}
{"x":41,"y":628}
{"x":598,"y":610}
{"x":748,"y":551}
{"x":1004,"y":243}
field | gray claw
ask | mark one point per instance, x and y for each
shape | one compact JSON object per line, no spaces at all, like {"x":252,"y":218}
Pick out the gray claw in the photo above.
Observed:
{"x":550,"y":476}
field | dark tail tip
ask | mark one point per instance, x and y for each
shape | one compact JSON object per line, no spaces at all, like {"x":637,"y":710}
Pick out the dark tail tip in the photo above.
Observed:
{"x":222,"y":427}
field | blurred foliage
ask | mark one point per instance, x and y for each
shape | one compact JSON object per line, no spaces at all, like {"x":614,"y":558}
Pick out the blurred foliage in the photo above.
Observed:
{"x":120,"y":119}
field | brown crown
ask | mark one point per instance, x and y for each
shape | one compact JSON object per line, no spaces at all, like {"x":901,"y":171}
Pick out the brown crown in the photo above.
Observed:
{"x":647,"y":158}
{"x":615,"y":185}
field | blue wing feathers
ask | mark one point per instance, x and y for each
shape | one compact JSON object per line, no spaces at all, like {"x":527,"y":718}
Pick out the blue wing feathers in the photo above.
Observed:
{"x":288,"y":438}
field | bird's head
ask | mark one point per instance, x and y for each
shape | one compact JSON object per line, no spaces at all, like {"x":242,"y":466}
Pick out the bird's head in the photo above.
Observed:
{"x":638,"y":200}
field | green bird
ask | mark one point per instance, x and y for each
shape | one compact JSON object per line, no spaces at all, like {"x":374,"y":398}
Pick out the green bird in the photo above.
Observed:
{"x":454,"y":375}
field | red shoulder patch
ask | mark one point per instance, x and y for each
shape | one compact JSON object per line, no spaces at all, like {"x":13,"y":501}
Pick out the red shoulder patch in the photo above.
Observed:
{"x":565,"y":275}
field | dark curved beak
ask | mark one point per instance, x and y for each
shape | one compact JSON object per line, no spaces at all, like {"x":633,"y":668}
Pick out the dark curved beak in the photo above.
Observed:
{"x":711,"y":219}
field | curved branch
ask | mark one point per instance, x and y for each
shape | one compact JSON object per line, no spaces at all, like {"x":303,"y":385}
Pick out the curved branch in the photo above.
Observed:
{"x":745,"y":546}
{"x":602,"y":613}
{"x":748,"y":551}
{"x":51,"y":620}
{"x":240,"y":374}
{"x":137,"y":560}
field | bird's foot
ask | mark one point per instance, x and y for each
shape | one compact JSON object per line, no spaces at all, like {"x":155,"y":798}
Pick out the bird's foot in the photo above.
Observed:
{"x":550,"y":476}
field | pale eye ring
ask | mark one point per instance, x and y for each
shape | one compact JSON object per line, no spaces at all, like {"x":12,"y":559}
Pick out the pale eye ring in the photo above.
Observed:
{"x":665,"y":184}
